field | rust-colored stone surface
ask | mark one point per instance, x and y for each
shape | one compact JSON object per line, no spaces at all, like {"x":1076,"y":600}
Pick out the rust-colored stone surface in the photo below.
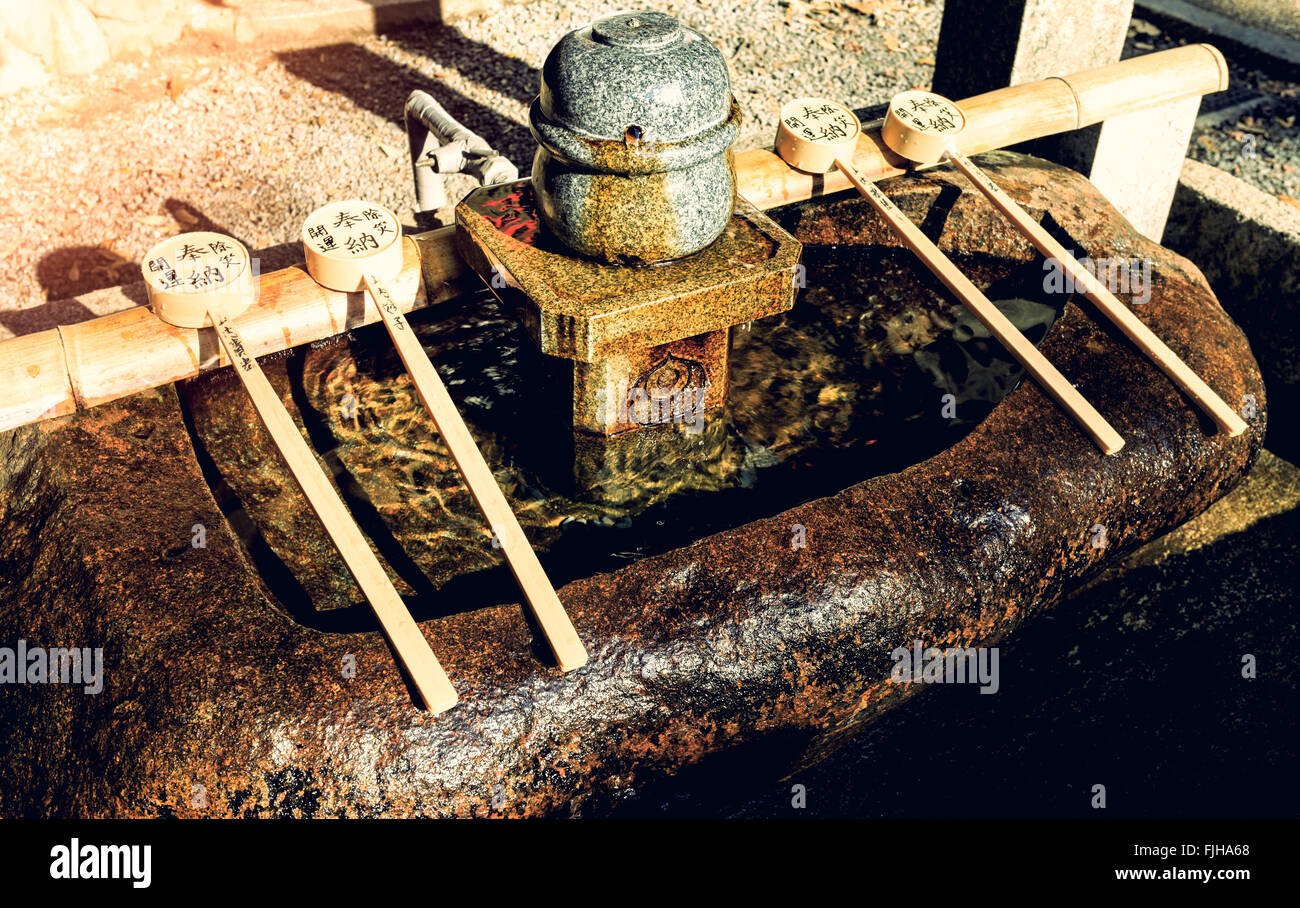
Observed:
{"x":652,"y":386}
{"x":217,"y":703}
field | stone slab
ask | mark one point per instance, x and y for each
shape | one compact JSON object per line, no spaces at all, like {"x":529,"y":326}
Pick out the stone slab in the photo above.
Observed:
{"x":1248,"y":244}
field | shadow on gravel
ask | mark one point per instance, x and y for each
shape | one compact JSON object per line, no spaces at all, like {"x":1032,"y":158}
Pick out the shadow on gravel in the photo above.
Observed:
{"x":448,"y":48}
{"x":74,"y":270}
{"x":381,"y":86}
{"x":45,"y":316}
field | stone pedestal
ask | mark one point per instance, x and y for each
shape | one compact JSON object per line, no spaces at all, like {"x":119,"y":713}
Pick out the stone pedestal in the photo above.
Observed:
{"x":1140,"y":184}
{"x":648,"y":344}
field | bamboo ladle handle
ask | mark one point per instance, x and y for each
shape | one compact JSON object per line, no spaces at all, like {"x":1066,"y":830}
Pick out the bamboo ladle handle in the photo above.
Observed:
{"x":407,"y":639}
{"x":1165,"y":359}
{"x":211,"y":286}
{"x":817,"y":135}
{"x":921,"y":126}
{"x":369,"y":269}
{"x":531,"y":577}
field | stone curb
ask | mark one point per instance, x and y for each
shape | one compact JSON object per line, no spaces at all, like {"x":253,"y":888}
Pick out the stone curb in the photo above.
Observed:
{"x":1265,"y":42}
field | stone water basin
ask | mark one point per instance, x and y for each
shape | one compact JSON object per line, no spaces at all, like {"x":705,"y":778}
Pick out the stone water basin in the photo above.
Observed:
{"x":751,"y":582}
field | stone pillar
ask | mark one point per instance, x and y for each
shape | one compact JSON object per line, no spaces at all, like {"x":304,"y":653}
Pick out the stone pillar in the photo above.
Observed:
{"x":988,"y":44}
{"x":1135,"y":159}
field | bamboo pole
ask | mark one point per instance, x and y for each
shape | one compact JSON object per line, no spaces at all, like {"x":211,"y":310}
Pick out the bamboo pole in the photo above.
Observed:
{"x":34,"y":372}
{"x":129,"y":351}
{"x":1005,"y":117}
{"x":119,"y":354}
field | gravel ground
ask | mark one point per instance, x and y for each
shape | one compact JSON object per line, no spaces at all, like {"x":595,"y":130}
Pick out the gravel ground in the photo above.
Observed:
{"x":249,"y":141}
{"x":1260,"y":144}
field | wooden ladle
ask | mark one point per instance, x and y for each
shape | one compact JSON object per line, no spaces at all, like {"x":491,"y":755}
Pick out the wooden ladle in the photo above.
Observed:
{"x":357,"y":245}
{"x":200,"y":279}
{"x":817,"y":135}
{"x":923,"y":127}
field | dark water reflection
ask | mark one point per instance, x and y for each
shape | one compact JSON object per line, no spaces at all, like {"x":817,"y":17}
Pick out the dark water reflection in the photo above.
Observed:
{"x":849,"y":384}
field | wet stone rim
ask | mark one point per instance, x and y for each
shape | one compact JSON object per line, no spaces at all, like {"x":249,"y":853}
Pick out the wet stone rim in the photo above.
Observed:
{"x":720,"y":642}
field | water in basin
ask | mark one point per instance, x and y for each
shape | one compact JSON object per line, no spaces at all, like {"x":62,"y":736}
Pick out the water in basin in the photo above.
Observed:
{"x":876,"y":367}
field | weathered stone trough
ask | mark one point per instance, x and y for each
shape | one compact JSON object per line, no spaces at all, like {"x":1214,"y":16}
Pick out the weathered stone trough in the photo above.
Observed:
{"x":228,"y":694}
